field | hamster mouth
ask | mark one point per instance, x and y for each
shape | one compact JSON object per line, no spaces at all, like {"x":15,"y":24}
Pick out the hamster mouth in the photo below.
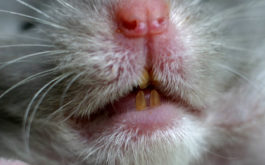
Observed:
{"x":145,"y":109}
{"x":147,"y":81}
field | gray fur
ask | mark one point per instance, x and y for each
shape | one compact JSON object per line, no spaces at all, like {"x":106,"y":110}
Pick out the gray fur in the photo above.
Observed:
{"x":226,"y":79}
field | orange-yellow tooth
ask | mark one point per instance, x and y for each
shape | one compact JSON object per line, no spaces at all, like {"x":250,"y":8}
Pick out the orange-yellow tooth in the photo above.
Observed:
{"x":140,"y":101}
{"x":144,"y":79}
{"x":154,"y":98}
{"x":154,"y":79}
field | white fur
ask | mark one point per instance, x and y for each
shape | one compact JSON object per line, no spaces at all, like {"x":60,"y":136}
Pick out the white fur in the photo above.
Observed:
{"x":83,"y":67}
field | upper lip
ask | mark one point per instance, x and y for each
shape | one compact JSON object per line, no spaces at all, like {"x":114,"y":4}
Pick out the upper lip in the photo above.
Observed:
{"x":147,"y":83}
{"x":109,"y":109}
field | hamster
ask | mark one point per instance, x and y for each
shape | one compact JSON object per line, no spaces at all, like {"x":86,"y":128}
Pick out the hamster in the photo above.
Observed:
{"x":143,"y":82}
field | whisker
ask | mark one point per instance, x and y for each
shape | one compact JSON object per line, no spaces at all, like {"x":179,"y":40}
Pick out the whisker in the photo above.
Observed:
{"x":234,"y":13}
{"x":26,"y":136}
{"x":60,"y":78}
{"x":240,"y":75}
{"x":31,"y":55}
{"x":243,"y":38}
{"x":28,"y":79}
{"x":229,"y":13}
{"x":59,"y":110}
{"x":26,"y":45}
{"x":69,"y":85}
{"x":234,"y":47}
{"x":65,"y":4}
{"x":33,"y":8}
{"x":22,"y":36}
{"x":28,"y":118}
{"x":218,"y":155}
{"x":34,"y":18}
{"x":77,"y":109}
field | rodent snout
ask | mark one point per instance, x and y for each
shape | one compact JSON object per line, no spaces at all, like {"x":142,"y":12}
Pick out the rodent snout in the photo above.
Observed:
{"x":141,"y":18}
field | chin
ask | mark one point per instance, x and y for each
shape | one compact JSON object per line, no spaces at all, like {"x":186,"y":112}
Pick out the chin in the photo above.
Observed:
{"x":112,"y":140}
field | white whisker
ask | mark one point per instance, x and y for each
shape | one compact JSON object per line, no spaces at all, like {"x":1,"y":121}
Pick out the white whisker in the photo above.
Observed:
{"x":46,"y":92}
{"x":28,"y":118}
{"x":26,"y":45}
{"x":59,"y":110}
{"x":26,"y":115}
{"x":28,"y":79}
{"x":233,"y":47}
{"x":33,"y":8}
{"x":69,"y":85}
{"x":65,"y":4}
{"x":34,"y":18}
{"x":18,"y":36}
{"x":77,"y":109}
{"x":31,"y":55}
{"x":240,"y":75}
{"x":229,"y":13}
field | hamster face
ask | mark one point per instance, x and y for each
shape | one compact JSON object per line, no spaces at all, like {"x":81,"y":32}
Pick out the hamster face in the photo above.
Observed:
{"x":125,"y":82}
{"x":108,"y":64}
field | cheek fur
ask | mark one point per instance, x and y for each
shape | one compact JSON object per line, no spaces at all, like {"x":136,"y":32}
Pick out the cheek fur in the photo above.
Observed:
{"x":86,"y":107}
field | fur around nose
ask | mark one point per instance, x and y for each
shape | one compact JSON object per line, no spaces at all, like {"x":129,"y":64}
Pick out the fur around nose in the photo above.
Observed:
{"x":140,"y":18}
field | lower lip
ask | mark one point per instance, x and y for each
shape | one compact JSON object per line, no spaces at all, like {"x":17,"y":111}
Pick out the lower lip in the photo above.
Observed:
{"x":123,"y":116}
{"x":150,"y":119}
{"x":144,"y":122}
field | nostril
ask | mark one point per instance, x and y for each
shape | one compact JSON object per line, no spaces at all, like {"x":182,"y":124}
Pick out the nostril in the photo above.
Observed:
{"x":134,"y":28}
{"x":139,"y":18}
{"x":161,"y":21}
{"x":129,"y":25}
{"x":158,"y":26}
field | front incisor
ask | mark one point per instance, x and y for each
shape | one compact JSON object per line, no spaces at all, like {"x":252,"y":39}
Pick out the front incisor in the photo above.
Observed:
{"x":140,"y":101}
{"x":154,"y":98}
{"x":144,"y":79}
{"x":154,"y":79}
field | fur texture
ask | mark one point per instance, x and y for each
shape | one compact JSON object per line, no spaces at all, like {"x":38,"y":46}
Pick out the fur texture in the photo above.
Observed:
{"x":72,"y":63}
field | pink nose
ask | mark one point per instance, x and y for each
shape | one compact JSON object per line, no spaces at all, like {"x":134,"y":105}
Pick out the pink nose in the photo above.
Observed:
{"x":139,"y":18}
